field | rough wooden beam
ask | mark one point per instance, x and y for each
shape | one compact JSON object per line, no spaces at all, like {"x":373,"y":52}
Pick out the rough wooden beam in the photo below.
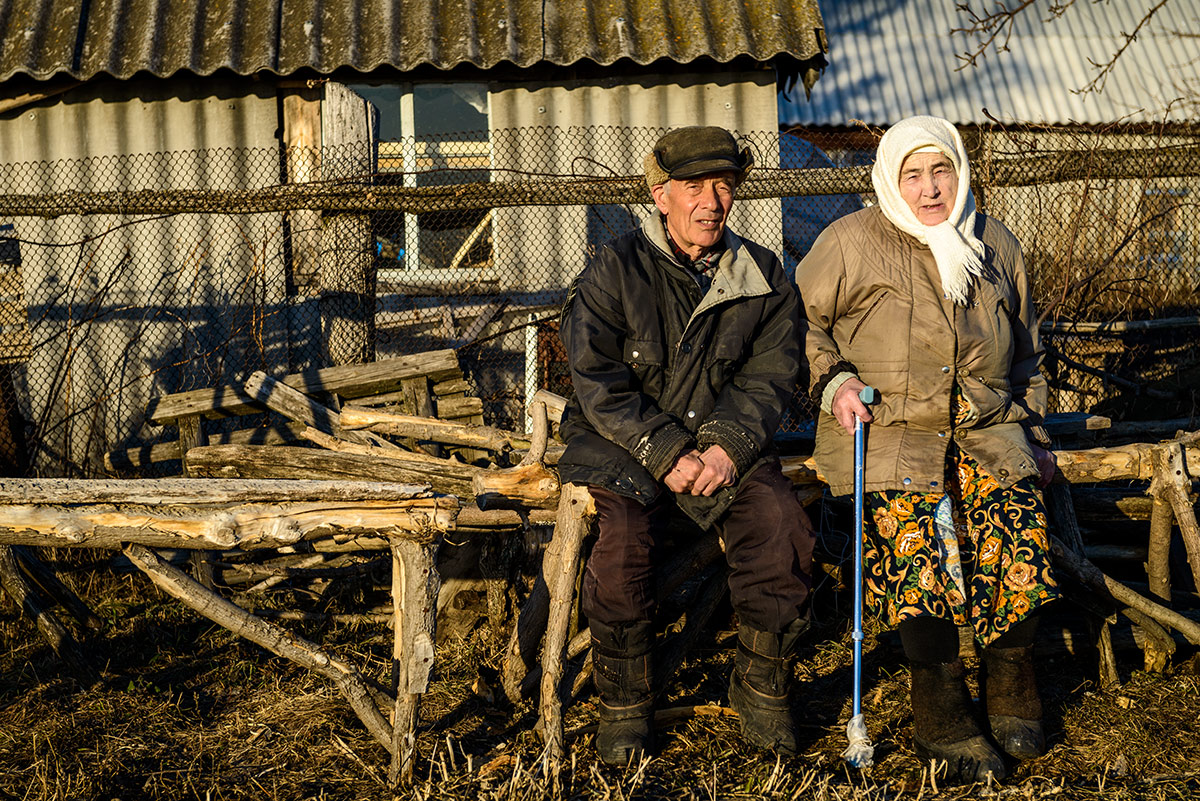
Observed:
{"x":349,"y":381}
{"x":283,"y":462}
{"x":575,"y":511}
{"x":415,"y":585}
{"x":431,"y":429}
{"x":146,"y":455}
{"x":299,"y":408}
{"x":242,"y":526}
{"x":199,"y":491}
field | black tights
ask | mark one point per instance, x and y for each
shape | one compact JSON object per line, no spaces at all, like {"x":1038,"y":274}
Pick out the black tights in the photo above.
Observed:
{"x":934,"y":640}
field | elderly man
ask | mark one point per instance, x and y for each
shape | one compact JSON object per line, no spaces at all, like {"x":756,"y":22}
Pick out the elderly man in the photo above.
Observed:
{"x":684,"y":345}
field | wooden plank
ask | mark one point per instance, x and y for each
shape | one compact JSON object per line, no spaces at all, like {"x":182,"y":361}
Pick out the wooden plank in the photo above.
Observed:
{"x":452,"y":408}
{"x":244,"y":526}
{"x":301,"y":113}
{"x":199,"y":491}
{"x":349,"y":381}
{"x":1070,"y":423}
{"x":1139,"y":164}
{"x":452,"y":386}
{"x":248,"y":461}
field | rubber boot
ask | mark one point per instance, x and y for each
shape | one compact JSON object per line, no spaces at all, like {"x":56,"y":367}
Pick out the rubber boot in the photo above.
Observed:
{"x":944,"y":725}
{"x":623,"y":673}
{"x":760,"y":686}
{"x":1013,"y":707}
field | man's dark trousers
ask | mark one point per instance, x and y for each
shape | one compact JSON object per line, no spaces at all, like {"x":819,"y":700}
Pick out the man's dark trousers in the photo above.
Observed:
{"x":768,"y":545}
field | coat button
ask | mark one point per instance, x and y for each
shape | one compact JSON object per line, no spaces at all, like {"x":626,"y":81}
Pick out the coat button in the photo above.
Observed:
{"x":964,"y":371}
{"x":691,"y":413}
{"x":941,"y":433}
{"x":636,"y":354}
{"x":933,"y":484}
{"x":907,"y":481}
{"x":686,"y":347}
{"x":945,"y":368}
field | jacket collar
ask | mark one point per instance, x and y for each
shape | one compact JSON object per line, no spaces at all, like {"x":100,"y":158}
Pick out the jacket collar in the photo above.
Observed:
{"x":737,"y":275}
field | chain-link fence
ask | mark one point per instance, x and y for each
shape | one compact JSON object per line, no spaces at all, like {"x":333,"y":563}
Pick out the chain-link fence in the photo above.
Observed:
{"x":145,"y":275}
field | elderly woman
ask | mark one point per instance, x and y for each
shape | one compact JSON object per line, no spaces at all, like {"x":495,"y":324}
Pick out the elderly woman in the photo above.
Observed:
{"x":929,"y":302}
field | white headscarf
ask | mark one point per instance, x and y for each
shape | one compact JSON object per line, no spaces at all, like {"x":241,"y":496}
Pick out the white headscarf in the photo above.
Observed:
{"x":956,"y":250}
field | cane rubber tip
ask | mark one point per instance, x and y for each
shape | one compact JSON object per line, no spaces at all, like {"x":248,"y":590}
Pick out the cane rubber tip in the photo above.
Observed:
{"x":867,"y":395}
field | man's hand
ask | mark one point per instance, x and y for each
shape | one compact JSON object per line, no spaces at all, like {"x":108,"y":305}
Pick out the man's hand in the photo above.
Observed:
{"x":846,"y":404}
{"x":1046,"y":464}
{"x":682,"y":476}
{"x":719,"y":471}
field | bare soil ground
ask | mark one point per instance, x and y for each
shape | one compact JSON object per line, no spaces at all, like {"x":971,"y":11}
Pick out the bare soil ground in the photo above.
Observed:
{"x":186,"y":710}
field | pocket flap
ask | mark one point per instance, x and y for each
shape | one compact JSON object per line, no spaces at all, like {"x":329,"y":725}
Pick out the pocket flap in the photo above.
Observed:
{"x":643,"y":351}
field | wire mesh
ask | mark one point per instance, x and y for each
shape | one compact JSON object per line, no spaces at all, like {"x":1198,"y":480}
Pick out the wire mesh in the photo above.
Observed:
{"x":144,"y":275}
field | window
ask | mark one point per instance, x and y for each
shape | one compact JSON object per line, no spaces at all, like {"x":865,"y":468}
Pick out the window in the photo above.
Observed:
{"x":433,"y":134}
{"x":1165,"y":233}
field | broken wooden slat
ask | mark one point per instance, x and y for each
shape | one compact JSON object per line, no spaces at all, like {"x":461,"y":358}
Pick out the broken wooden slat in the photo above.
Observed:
{"x":415,"y":585}
{"x":458,"y":408}
{"x":300,"y":408}
{"x":560,"y":565}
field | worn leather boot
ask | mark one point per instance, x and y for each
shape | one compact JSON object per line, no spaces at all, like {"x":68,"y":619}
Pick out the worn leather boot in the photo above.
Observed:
{"x":760,"y":685}
{"x":1013,"y":707}
{"x":944,"y":725}
{"x":623,"y":672}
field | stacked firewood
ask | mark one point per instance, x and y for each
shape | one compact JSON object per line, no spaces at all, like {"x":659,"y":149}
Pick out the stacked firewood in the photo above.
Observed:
{"x":392,"y":421}
{"x":408,"y":420}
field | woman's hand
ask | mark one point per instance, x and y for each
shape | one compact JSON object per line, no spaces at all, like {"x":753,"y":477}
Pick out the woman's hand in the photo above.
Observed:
{"x":1046,"y":463}
{"x":846,"y":404}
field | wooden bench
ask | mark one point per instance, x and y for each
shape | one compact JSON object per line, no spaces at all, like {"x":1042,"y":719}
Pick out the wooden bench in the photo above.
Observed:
{"x":136,"y":516}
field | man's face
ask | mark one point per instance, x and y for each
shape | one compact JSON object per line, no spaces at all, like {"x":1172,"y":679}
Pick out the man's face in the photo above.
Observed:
{"x":929,"y":184}
{"x":696,"y":209}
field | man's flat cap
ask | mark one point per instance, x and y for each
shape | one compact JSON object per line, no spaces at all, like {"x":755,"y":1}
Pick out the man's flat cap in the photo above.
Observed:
{"x":699,"y":150}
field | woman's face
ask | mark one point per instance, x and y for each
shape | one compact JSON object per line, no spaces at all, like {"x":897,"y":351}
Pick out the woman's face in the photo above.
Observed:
{"x":929,"y":184}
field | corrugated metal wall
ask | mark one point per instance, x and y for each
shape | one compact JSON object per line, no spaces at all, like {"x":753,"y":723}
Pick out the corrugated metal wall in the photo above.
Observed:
{"x":743,"y":102}
{"x":889,"y":59}
{"x":129,"y":311}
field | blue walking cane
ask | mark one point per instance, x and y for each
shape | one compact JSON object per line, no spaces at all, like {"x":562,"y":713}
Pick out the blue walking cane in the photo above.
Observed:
{"x":859,"y":753}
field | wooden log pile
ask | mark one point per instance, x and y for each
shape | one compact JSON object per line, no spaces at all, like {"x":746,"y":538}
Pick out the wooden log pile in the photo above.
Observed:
{"x":411,"y":421}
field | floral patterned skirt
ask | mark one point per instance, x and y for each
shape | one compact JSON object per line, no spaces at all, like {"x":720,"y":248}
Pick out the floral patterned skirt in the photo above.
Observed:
{"x":977,"y":554}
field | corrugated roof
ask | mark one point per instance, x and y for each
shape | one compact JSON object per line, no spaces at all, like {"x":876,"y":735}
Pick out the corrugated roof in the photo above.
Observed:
{"x":44,"y":38}
{"x":889,"y":59}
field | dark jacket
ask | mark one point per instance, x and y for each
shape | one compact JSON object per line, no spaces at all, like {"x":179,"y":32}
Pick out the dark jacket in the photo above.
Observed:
{"x":660,"y":366}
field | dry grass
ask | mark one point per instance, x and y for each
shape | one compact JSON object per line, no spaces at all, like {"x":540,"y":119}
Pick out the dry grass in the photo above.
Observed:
{"x":186,"y":711}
